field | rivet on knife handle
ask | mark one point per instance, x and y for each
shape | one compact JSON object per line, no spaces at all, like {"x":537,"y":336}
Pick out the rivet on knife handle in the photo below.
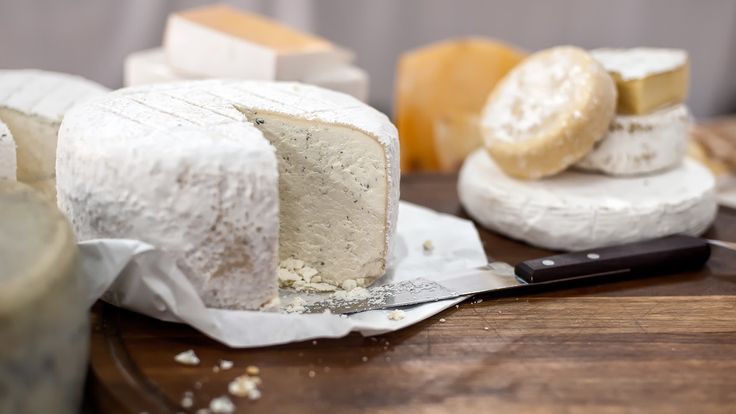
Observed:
{"x":669,"y":254}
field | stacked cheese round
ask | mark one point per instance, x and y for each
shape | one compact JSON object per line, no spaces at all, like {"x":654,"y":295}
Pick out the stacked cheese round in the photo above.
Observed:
{"x":650,"y":132}
{"x":43,"y":307}
{"x":230,"y":177}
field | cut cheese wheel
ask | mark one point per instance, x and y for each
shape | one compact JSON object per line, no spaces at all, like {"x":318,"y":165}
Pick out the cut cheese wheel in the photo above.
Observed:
{"x":8,"y":162}
{"x":576,"y":211}
{"x":149,"y":66}
{"x":640,"y":144}
{"x":548,"y":112}
{"x":220,"y":41}
{"x":191,"y":168}
{"x":647,"y":79}
{"x":32,"y":105}
{"x":438,"y":88}
{"x":43,"y":307}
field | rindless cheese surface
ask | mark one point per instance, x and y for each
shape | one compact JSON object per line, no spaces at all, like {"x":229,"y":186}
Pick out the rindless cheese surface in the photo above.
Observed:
{"x":639,"y":144}
{"x":32,"y":104}
{"x":576,"y":211}
{"x":43,"y":307}
{"x":8,"y":162}
{"x":231,"y":176}
{"x":647,"y":79}
{"x":548,"y":112}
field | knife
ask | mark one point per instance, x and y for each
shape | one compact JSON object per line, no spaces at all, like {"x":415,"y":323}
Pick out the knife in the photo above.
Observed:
{"x":665,"y":255}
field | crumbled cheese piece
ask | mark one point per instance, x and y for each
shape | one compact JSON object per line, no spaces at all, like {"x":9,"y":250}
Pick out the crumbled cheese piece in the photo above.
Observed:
{"x":396,"y":315}
{"x":222,"y":405}
{"x":307,"y":273}
{"x":225,"y":364}
{"x":187,"y":358}
{"x":428,"y":246}
{"x":485,"y":328}
{"x":349,"y":284}
{"x":314,"y":342}
{"x":365,"y":359}
{"x":311,"y":374}
{"x":443,"y":320}
{"x":215,"y":369}
{"x":245,"y":386}
{"x":291,"y":264}
{"x":287,"y":278}
{"x":252,"y":370}
{"x":296,"y":305}
{"x":187,"y":401}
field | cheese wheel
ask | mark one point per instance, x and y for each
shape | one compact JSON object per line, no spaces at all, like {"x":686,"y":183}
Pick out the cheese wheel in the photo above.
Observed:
{"x":548,"y":112}
{"x":576,"y":211}
{"x":639,"y":144}
{"x":230,"y":177}
{"x":43,"y":307}
{"x":7,"y":154}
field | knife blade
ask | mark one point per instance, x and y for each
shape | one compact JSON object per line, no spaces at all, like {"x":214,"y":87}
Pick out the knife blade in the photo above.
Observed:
{"x":665,"y":255}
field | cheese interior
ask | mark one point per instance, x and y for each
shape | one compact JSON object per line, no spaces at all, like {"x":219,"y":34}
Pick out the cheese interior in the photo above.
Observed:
{"x":8,"y":165}
{"x":332,"y":196}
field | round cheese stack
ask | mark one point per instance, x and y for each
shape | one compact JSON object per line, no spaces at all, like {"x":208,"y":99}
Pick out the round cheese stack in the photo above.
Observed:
{"x":32,"y":105}
{"x":576,"y":211}
{"x":640,"y":144}
{"x":548,"y":112}
{"x":7,"y":154}
{"x":232,"y":176}
{"x":43,"y":307}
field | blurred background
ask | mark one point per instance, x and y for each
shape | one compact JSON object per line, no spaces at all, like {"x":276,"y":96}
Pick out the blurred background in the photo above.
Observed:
{"x":92,"y":37}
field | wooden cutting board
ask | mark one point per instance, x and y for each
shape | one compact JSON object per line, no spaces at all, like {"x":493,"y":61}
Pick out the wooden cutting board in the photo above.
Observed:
{"x":659,"y":344}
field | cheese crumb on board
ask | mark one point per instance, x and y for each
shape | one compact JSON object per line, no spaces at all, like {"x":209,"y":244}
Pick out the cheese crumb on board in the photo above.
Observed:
{"x":187,"y":357}
{"x":252,"y":370}
{"x":396,"y":315}
{"x":296,"y":305}
{"x":225,"y":364}
{"x":428,"y":246}
{"x":245,"y":386}
{"x":222,"y":405}
{"x":187,"y":399}
{"x":443,"y":320}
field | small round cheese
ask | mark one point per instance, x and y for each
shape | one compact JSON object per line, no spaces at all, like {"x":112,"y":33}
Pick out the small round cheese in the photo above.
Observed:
{"x":640,"y":144}
{"x":548,"y":112}
{"x":575,"y":211}
{"x":43,"y":307}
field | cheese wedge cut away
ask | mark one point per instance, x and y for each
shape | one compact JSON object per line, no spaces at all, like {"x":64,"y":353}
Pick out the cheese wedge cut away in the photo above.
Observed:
{"x":577,"y":211}
{"x":548,"y":112}
{"x":439,"y":88}
{"x":43,"y":307}
{"x":149,"y":66}
{"x":8,"y":161}
{"x":232,"y":176}
{"x":640,"y":144}
{"x":32,"y":105}
{"x":220,"y":41}
{"x":647,"y":78}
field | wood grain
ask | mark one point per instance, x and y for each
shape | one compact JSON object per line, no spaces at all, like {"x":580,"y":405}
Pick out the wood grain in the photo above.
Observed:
{"x":664,"y":344}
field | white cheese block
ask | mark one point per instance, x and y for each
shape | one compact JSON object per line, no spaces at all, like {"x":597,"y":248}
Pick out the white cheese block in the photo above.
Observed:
{"x":8,"y":164}
{"x":575,"y":211}
{"x":191,"y":168}
{"x":32,"y":105}
{"x":149,"y":66}
{"x":219,"y":41}
{"x":43,"y":307}
{"x":639,"y":144}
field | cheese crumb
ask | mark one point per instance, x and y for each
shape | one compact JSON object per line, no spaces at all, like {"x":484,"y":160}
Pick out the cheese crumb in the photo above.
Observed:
{"x":291,"y":264}
{"x":225,"y":364}
{"x":296,"y":306}
{"x":215,"y":369}
{"x":349,"y":284}
{"x":428,"y":246}
{"x":396,"y":315}
{"x":187,"y":358}
{"x":252,"y":370}
{"x":245,"y":386}
{"x":485,"y":328}
{"x":443,"y":320}
{"x":222,"y":405}
{"x":365,"y":359}
{"x":187,"y":401}
{"x":311,"y":374}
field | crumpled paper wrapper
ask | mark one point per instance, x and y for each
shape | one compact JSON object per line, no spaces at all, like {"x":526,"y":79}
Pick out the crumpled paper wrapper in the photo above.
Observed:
{"x":135,"y":276}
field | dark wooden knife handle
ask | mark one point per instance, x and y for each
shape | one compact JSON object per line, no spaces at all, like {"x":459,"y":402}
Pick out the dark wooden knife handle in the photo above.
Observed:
{"x":671,"y":254}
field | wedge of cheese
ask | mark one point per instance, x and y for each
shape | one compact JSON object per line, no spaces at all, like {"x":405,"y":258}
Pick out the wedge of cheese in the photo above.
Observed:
{"x":149,"y":66}
{"x":8,"y":163}
{"x":232,"y":176}
{"x":440,"y":86}
{"x":548,"y":112}
{"x":641,"y":144}
{"x":220,"y":41}
{"x":32,"y":105}
{"x":647,"y":79}
{"x":577,"y":211}
{"x":43,"y":307}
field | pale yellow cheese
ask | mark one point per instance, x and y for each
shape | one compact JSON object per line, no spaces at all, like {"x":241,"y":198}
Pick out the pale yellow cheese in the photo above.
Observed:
{"x":456,"y":136}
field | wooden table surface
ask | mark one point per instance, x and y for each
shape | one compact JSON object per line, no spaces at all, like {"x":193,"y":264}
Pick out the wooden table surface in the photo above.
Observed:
{"x":664,"y":344}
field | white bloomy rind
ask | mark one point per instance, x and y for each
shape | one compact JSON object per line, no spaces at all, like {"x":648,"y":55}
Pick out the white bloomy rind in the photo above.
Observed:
{"x":190,"y":168}
{"x":640,"y":62}
{"x":639,"y":144}
{"x":576,"y":211}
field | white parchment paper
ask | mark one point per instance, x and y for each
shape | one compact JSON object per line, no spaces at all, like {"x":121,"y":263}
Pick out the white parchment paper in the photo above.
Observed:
{"x":134,"y":275}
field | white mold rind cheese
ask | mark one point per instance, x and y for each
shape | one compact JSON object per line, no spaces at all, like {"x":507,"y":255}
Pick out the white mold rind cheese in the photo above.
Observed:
{"x":576,"y":211}
{"x":639,"y":144}
{"x":44,"y":322}
{"x":32,"y":105}
{"x":191,"y":168}
{"x":8,"y":165}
